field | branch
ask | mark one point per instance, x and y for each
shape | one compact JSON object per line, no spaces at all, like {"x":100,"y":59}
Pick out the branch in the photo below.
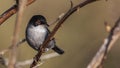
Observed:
{"x":4,"y":61}
{"x":56,"y":20}
{"x":20,"y":64}
{"x":13,"y":51}
{"x":11,"y":11}
{"x":9,"y":48}
{"x":43,"y":58}
{"x":62,"y":14}
{"x":58,"y":25}
{"x":108,"y":43}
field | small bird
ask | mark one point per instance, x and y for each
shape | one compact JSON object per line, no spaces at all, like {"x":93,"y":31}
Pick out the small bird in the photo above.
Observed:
{"x":37,"y":32}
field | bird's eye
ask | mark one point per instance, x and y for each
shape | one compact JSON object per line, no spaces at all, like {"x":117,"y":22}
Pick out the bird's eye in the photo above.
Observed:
{"x":37,"y":22}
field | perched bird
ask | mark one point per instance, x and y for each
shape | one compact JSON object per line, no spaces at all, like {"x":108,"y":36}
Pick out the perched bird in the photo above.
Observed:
{"x":37,"y":32}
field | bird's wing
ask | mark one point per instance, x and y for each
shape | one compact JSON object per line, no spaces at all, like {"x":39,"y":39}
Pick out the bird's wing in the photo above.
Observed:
{"x":48,"y":32}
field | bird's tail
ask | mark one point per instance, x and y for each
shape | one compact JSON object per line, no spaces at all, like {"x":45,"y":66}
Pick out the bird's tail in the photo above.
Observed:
{"x":58,"y":50}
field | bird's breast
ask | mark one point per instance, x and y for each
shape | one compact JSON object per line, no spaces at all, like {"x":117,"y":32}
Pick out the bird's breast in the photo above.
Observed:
{"x":37,"y":34}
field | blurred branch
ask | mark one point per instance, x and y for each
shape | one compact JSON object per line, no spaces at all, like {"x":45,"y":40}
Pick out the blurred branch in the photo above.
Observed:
{"x":43,"y":58}
{"x":6,"y":50}
{"x":58,"y":25}
{"x":108,"y":43}
{"x":8,"y":13}
{"x":13,"y":51}
{"x":4,"y":61}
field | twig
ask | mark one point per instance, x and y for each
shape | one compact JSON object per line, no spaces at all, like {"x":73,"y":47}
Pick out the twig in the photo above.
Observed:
{"x":9,"y":48}
{"x":62,"y":14}
{"x":21,"y":41}
{"x":13,"y":51}
{"x":58,"y":25}
{"x":43,"y":58}
{"x":71,"y":4}
{"x":108,"y":43}
{"x":4,"y":61}
{"x":59,"y":17}
{"x":20,"y":64}
{"x":8,"y":13}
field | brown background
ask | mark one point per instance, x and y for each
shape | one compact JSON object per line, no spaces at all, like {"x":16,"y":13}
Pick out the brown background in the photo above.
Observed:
{"x":80,"y":36}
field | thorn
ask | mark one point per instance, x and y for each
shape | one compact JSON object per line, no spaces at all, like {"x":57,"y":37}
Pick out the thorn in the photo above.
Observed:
{"x":21,"y":41}
{"x":107,"y":26}
{"x":71,"y":2}
{"x":61,"y":15}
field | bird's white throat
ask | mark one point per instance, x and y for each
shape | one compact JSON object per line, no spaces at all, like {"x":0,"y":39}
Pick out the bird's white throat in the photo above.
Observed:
{"x":39,"y":28}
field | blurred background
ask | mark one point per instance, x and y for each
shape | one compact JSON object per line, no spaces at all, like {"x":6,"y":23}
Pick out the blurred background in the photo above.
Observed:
{"x":80,"y":36}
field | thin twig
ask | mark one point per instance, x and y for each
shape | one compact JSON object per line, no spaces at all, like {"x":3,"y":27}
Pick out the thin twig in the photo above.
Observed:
{"x":43,"y":58}
{"x":11,"y":11}
{"x":4,"y":61}
{"x":59,"y":17}
{"x":20,"y":64}
{"x":58,"y":25}
{"x":21,"y":41}
{"x":9,"y":48}
{"x":62,"y":14}
{"x":108,"y":43}
{"x":13,"y":51}
{"x":71,"y":3}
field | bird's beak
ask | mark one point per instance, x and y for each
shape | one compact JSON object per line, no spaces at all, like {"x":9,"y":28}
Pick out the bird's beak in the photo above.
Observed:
{"x":47,"y":24}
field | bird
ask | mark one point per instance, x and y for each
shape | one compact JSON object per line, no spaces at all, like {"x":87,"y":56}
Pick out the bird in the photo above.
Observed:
{"x":37,"y":32}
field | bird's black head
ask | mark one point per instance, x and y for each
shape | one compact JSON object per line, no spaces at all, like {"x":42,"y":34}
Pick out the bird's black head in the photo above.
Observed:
{"x":38,"y":20}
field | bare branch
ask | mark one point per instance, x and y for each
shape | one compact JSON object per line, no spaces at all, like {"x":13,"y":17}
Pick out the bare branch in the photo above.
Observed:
{"x":43,"y":58}
{"x":62,"y":14}
{"x":11,"y":11}
{"x":13,"y":51}
{"x":21,"y":41}
{"x":58,"y":25}
{"x":59,"y":17}
{"x":20,"y":64}
{"x":9,"y":48}
{"x":108,"y":43}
